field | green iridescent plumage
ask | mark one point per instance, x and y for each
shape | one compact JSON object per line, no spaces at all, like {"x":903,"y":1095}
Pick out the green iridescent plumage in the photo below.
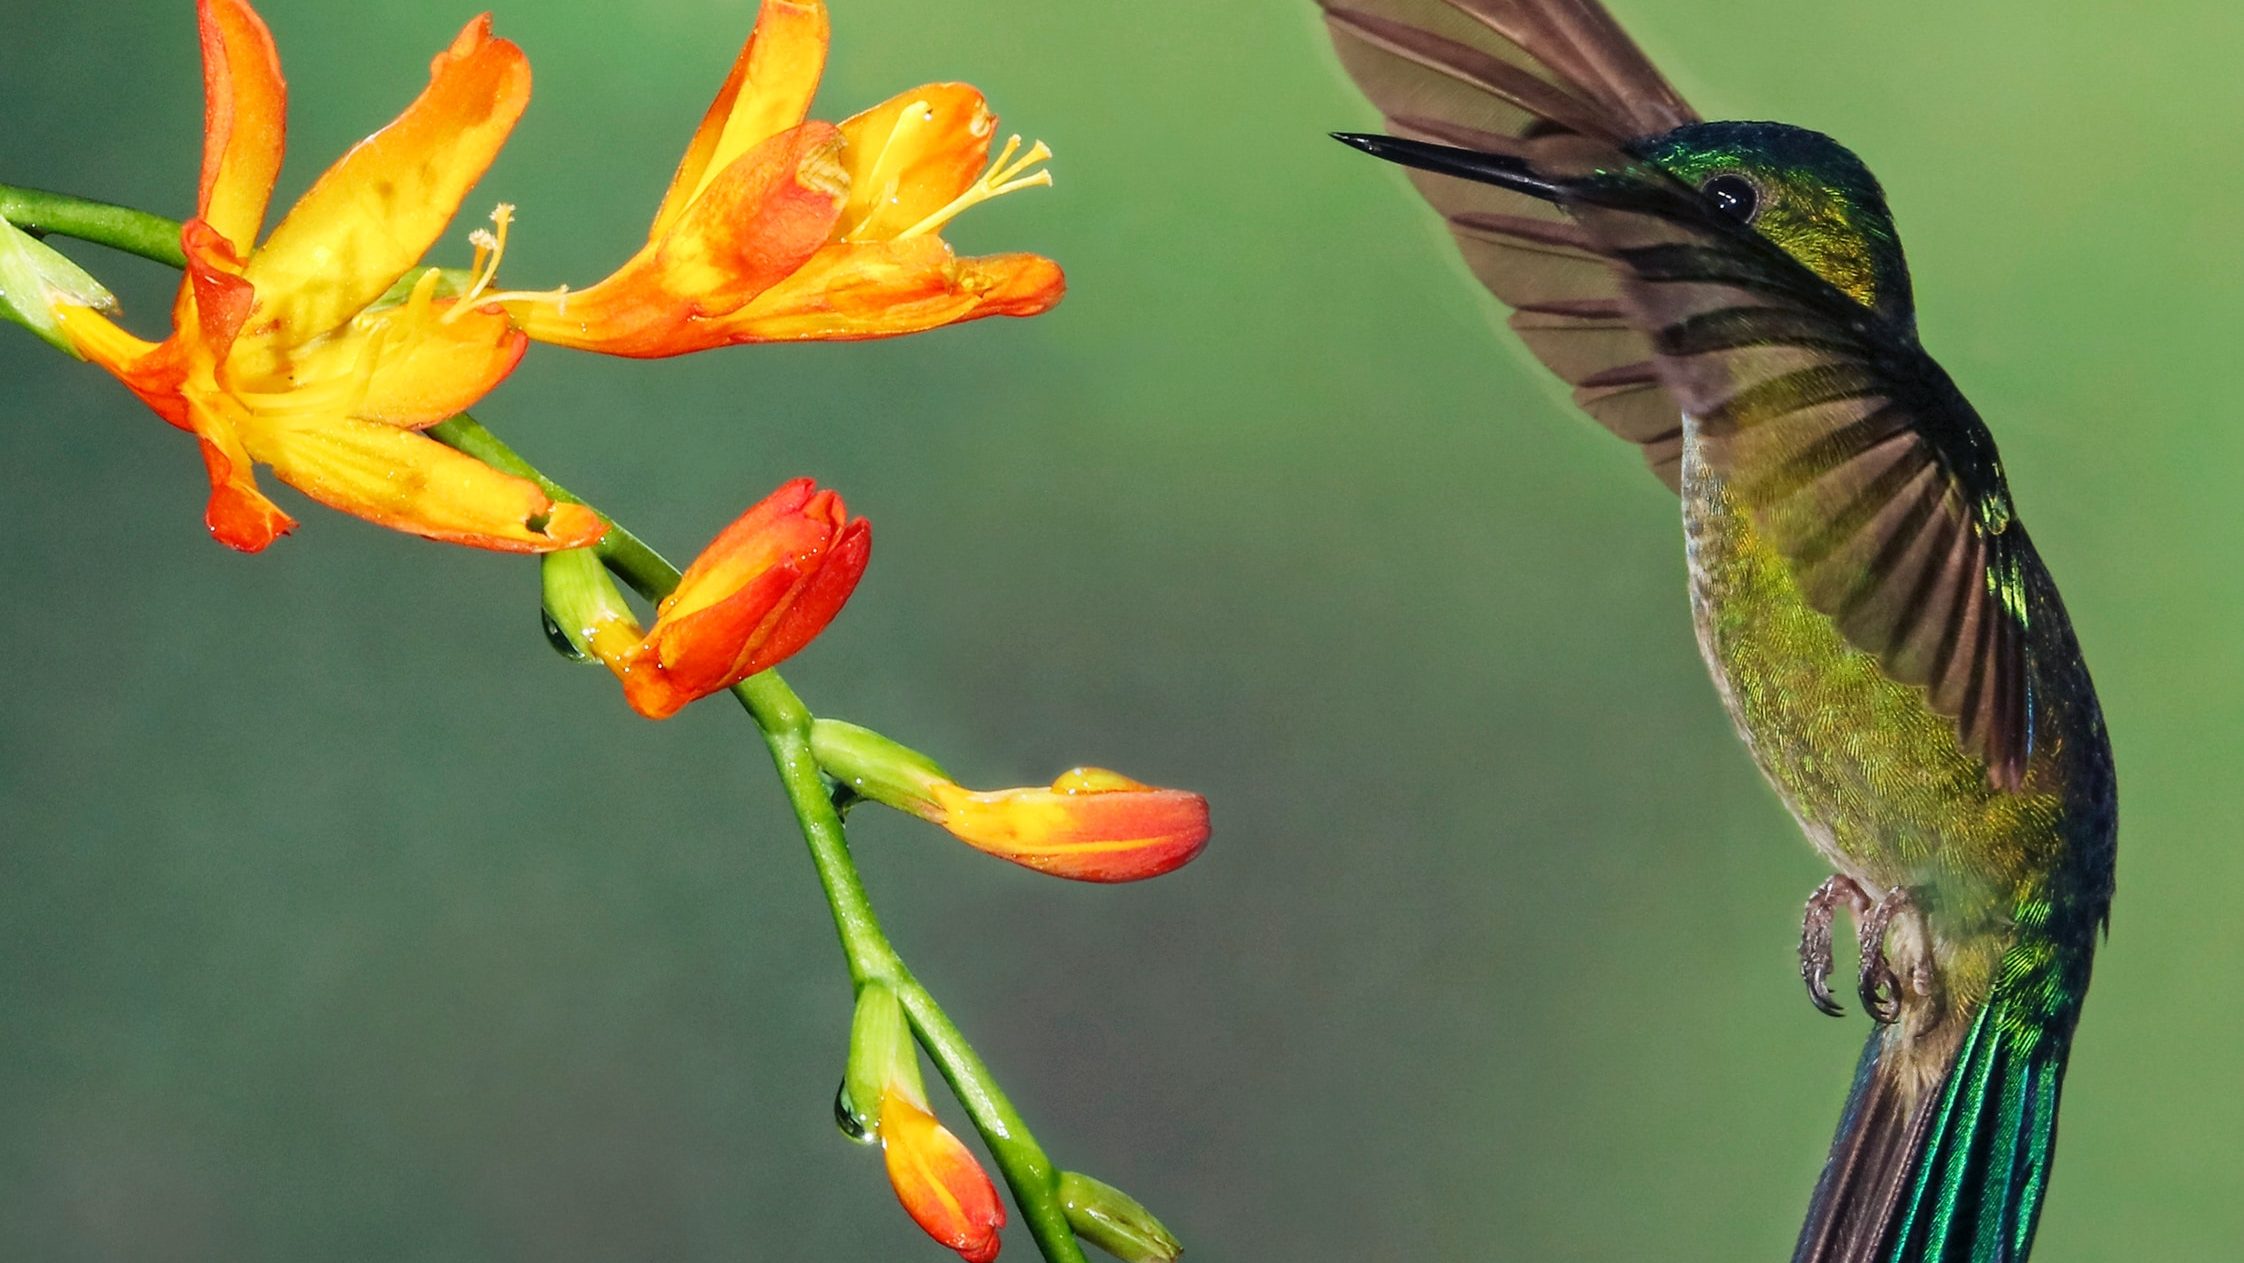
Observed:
{"x":1733,"y":298}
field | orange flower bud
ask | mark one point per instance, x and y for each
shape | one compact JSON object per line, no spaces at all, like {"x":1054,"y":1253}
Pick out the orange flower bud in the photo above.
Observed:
{"x":942,"y":1187}
{"x":760,"y":591}
{"x":1090,"y":824}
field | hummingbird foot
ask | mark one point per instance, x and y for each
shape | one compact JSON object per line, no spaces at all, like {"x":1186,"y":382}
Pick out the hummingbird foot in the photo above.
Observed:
{"x":1883,"y":988}
{"x":1815,"y":936}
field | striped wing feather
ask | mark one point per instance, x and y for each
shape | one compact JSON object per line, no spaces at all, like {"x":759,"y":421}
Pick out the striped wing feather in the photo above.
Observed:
{"x":1517,"y":77}
{"x":1858,"y":459}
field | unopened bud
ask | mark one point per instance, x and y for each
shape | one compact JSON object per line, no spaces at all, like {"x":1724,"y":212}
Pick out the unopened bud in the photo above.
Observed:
{"x":1113,"y":1221}
{"x":35,"y":279}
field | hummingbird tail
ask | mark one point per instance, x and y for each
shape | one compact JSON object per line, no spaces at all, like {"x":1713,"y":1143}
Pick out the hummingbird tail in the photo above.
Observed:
{"x":1949,"y":1169}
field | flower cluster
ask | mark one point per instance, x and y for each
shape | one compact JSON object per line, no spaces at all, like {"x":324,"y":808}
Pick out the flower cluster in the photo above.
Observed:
{"x":323,"y":351}
{"x":326,"y":349}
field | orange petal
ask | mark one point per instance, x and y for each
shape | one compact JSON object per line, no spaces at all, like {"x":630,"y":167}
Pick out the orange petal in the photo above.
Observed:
{"x":408,"y":482}
{"x":214,"y":295}
{"x":767,"y":214}
{"x":245,"y":126}
{"x":377,"y":211}
{"x":1091,"y":825}
{"x":942,"y":1187}
{"x":768,"y":91}
{"x":151,"y":370}
{"x":911,"y":156}
{"x":770,"y":531}
{"x":239,"y":516}
{"x":820,"y":597}
{"x":881,"y":289}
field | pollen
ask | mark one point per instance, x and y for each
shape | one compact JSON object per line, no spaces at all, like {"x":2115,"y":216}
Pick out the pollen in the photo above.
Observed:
{"x":1008,"y":173}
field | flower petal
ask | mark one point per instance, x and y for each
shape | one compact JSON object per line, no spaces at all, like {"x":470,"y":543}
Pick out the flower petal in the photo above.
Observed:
{"x":911,"y":155}
{"x":768,"y":91}
{"x":757,"y":223}
{"x":942,"y":1187}
{"x":238,"y":515}
{"x":377,"y":210}
{"x":412,"y":365}
{"x":881,"y":289}
{"x":245,"y":124}
{"x":819,"y":599}
{"x":409,"y":482}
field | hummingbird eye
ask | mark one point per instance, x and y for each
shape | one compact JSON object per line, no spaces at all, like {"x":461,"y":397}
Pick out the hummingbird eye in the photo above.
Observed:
{"x":1733,"y":195}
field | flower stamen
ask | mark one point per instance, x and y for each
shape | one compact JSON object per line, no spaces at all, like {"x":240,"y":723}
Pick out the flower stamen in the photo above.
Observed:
{"x":1005,"y":175}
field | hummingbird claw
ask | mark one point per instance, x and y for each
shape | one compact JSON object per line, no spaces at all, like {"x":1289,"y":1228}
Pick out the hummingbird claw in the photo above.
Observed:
{"x":1882,"y":987}
{"x":1815,"y":937}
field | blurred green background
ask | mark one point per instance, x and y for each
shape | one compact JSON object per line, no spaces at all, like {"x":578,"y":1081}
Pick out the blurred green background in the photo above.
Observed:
{"x":340,"y":919}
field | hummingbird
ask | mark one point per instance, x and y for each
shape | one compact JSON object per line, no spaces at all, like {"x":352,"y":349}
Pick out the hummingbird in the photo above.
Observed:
{"x":1732,"y":298}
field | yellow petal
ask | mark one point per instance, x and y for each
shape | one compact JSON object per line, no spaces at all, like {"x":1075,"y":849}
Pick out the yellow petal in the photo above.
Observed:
{"x":409,"y":482}
{"x":912,"y":155}
{"x":377,"y":211}
{"x":411,"y":366}
{"x":245,"y":107}
{"x":768,"y":91}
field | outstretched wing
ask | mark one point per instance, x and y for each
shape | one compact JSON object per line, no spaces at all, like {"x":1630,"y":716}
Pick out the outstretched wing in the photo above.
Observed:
{"x":1856,"y":456}
{"x":1513,"y":77}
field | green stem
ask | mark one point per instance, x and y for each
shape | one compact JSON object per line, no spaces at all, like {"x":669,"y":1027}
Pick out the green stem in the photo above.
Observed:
{"x":785,"y":722}
{"x":778,"y":712}
{"x":118,"y":227}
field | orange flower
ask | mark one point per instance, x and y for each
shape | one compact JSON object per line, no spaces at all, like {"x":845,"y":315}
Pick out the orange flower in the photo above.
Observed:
{"x":764,"y":588}
{"x":1090,"y":825}
{"x":290,"y":356}
{"x":942,"y":1187}
{"x":777,"y":229}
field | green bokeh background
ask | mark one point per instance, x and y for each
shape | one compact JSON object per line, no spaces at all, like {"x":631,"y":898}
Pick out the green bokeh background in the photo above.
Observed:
{"x":341,"y":920}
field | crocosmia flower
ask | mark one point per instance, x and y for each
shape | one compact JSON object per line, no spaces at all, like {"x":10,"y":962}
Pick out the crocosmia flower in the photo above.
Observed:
{"x":1090,"y":824}
{"x":778,"y":229}
{"x":297,"y":354}
{"x":764,"y":588}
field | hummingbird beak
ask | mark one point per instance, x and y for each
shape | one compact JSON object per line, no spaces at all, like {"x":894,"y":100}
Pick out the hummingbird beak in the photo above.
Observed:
{"x":1501,"y":170}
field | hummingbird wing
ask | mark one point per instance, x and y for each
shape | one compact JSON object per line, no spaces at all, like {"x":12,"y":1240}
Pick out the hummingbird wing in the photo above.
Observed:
{"x":1513,"y":77}
{"x":1853,"y":451}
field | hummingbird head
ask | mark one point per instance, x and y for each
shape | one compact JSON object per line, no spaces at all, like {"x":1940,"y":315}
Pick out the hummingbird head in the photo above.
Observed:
{"x":1801,"y":190}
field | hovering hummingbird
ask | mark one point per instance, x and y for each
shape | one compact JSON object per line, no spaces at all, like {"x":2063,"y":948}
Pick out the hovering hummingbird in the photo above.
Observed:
{"x":1732,"y":298}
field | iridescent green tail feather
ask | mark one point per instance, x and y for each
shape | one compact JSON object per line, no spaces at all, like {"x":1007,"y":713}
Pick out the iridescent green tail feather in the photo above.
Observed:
{"x":1954,"y":1173}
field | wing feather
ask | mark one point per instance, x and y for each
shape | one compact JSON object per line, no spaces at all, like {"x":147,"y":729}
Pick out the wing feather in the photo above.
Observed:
{"x":1506,"y":76}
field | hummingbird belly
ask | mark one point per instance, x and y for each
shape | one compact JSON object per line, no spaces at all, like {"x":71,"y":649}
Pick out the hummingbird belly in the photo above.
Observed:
{"x":1877,"y":779}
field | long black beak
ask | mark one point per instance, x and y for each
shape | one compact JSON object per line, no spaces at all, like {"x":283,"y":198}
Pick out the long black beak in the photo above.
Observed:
{"x":1501,"y":170}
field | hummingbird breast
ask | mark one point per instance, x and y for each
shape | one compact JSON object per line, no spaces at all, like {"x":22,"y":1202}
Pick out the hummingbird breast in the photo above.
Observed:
{"x":1878,"y":780}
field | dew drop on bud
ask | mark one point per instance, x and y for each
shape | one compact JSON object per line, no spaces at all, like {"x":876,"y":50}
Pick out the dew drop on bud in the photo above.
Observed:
{"x":846,"y":1118}
{"x":559,"y":639}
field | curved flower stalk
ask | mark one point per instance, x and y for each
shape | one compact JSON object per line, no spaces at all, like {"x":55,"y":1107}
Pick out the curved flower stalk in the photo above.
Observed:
{"x":287,"y":355}
{"x":778,"y":229}
{"x":328,"y":354}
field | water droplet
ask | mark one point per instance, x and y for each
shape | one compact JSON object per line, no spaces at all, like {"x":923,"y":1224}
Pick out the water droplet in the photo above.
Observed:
{"x":559,"y":639}
{"x":846,"y":1118}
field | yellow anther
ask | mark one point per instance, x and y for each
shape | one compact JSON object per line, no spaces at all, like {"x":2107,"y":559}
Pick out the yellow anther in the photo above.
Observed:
{"x":1005,"y":175}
